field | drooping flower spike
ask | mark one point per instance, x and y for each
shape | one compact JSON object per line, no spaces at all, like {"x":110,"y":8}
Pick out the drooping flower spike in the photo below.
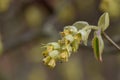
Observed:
{"x":71,"y":37}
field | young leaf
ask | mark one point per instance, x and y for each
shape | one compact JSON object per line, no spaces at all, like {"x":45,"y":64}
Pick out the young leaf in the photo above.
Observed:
{"x":80,"y":24}
{"x":95,"y":45}
{"x":98,"y":46}
{"x":103,"y":22}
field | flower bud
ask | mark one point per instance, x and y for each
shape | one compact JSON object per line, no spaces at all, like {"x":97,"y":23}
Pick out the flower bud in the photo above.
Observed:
{"x":84,"y":35}
{"x":49,"y":48}
{"x":65,"y":42}
{"x":64,"y":56}
{"x":72,"y":29}
{"x":77,"y":37}
{"x":54,"y":53}
{"x":52,"y":63}
{"x":65,"y":32}
{"x":46,"y":60}
{"x":45,"y":53}
{"x":55,"y":45}
{"x":75,"y":45}
{"x":69,"y":38}
{"x":76,"y":42}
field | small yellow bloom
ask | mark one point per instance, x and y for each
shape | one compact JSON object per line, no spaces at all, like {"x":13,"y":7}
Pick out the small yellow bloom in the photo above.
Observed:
{"x":54,"y":54}
{"x":66,"y":42}
{"x":77,"y":37}
{"x":45,"y":53}
{"x":52,"y":63}
{"x":46,"y":60}
{"x":65,"y":32}
{"x":75,"y":45}
{"x":64,"y":56}
{"x":49,"y":48}
{"x":71,"y":29}
{"x":70,"y":38}
{"x":55,"y":45}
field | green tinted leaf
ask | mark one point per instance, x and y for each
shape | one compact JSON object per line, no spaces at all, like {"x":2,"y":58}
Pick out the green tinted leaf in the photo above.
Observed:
{"x":98,"y":46}
{"x":101,"y":44}
{"x":103,"y":22}
{"x":80,"y":24}
{"x":95,"y":45}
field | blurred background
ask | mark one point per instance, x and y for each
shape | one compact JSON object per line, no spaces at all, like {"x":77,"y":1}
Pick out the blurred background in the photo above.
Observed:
{"x":26,"y":24}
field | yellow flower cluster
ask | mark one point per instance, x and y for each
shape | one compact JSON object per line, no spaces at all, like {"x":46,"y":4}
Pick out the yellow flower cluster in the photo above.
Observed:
{"x":71,"y":37}
{"x":62,"y":49}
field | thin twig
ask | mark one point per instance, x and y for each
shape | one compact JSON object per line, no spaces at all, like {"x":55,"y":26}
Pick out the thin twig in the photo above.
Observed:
{"x":111,"y":41}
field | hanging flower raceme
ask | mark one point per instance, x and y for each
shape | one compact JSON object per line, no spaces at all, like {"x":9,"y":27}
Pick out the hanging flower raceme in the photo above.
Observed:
{"x":61,"y":50}
{"x":71,"y":38}
{"x":51,"y":53}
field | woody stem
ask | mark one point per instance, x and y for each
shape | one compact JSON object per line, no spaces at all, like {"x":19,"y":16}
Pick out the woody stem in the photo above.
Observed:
{"x":110,"y":40}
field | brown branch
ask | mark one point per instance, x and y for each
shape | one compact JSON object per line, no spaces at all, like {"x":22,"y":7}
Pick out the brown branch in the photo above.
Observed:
{"x":111,"y":41}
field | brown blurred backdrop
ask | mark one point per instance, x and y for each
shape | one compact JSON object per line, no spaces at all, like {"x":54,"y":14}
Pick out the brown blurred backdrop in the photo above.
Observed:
{"x":26,"y":24}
